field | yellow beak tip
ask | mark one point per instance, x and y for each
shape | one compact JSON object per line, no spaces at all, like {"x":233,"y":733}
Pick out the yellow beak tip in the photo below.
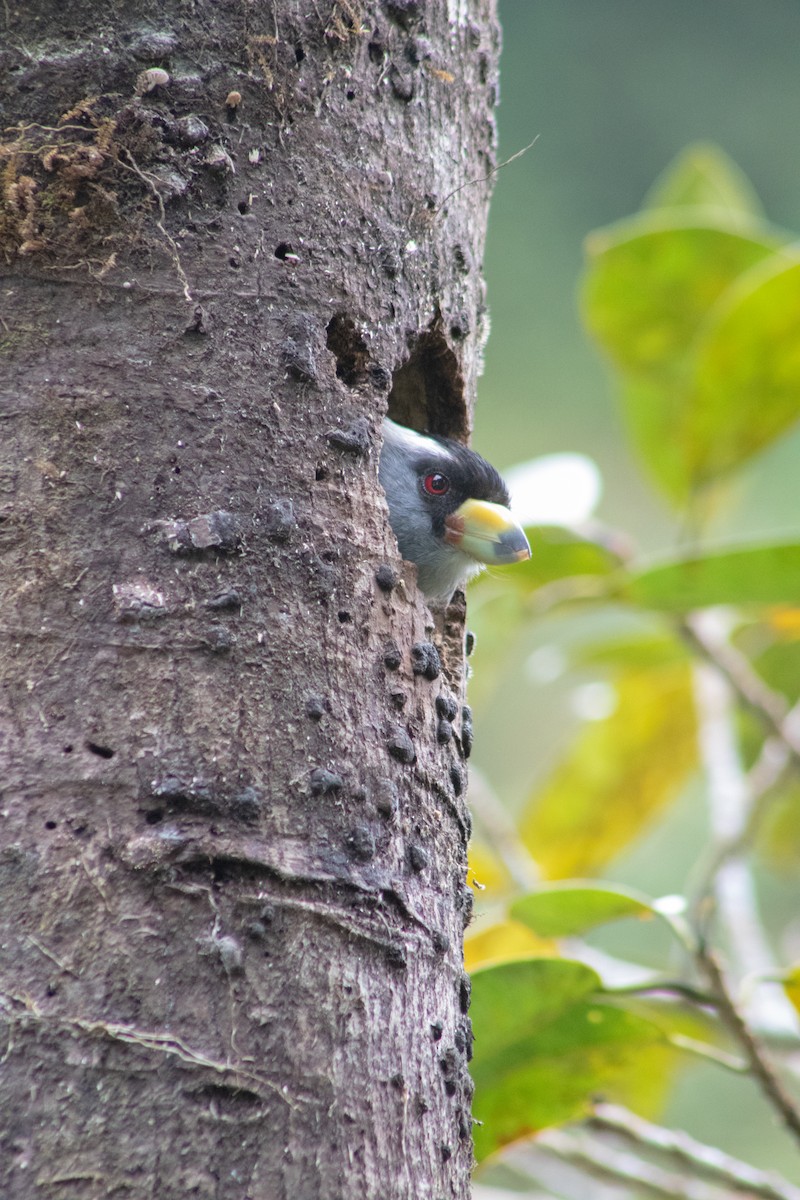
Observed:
{"x":490,"y":534}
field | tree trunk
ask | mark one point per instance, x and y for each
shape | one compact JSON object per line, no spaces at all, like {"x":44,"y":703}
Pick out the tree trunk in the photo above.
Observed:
{"x":232,"y":871}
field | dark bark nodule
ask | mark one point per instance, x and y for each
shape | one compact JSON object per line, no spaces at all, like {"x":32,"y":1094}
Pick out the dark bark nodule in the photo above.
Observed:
{"x":233,"y":852}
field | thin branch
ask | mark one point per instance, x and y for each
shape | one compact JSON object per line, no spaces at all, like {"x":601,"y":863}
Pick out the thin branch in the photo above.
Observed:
{"x":672,"y":987}
{"x":767,"y":774}
{"x":606,"y":1162}
{"x":770,"y":707}
{"x":760,"y":1066}
{"x":734,"y":797}
{"x":686,"y":1152}
{"x":707,"y":1052}
{"x":483,"y":178}
{"x":729,"y":804}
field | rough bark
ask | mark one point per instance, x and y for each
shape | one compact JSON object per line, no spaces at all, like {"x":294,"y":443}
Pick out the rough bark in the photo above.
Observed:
{"x":232,"y":870}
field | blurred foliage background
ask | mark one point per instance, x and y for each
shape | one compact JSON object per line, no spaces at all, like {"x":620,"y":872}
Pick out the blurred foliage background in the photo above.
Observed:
{"x":577,"y":751}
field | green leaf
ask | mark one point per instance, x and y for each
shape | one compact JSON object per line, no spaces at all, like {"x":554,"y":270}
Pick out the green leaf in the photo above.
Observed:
{"x":652,"y":287}
{"x":703,"y":174}
{"x":619,"y":773}
{"x":763,"y":574}
{"x":652,"y":279}
{"x":652,"y":409}
{"x":545,"y":987}
{"x":544,"y":1047}
{"x":675,"y":1020}
{"x":779,"y":833}
{"x":779,"y":663}
{"x":746,"y":389}
{"x":570,"y":909}
{"x":556,"y":553}
{"x":638,"y":650}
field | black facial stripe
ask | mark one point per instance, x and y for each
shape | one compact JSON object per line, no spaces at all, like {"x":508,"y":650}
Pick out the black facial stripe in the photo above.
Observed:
{"x":471,"y":476}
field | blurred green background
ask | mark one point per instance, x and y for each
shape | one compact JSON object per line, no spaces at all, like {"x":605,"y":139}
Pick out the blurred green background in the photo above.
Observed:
{"x":614,"y":89}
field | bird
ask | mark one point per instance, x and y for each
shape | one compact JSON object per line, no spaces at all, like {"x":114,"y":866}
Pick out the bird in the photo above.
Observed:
{"x":448,"y":509}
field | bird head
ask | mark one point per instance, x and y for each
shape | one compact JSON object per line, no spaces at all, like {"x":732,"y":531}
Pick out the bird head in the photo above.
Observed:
{"x":448,"y":508}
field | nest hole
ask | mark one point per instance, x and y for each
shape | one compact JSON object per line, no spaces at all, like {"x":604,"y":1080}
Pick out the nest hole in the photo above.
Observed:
{"x":427,"y":391}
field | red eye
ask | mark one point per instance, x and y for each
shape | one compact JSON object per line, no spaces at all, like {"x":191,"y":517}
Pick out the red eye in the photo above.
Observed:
{"x":436,"y":484}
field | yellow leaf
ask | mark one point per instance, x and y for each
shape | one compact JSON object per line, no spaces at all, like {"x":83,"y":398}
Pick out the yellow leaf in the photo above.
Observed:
{"x":502,"y":942}
{"x":791,"y":986}
{"x":779,"y":835}
{"x":486,"y":870}
{"x":621,"y":772}
{"x":785,"y":621}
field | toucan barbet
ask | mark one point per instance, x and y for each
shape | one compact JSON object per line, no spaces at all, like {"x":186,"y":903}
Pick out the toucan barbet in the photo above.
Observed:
{"x":448,"y":508}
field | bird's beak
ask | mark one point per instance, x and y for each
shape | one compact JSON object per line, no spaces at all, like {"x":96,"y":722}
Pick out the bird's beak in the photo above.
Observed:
{"x":487,"y":532}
